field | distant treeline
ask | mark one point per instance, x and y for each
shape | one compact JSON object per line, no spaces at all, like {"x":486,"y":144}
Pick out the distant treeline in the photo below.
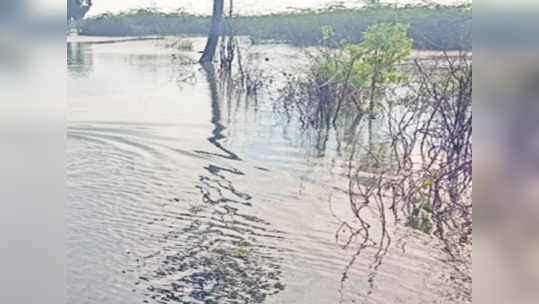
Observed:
{"x":432,"y":27}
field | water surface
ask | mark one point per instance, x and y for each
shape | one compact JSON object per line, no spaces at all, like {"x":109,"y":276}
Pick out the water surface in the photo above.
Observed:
{"x":178,"y":194}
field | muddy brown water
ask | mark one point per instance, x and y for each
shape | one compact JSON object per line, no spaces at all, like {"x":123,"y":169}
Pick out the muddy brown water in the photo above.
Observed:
{"x":178,"y":194}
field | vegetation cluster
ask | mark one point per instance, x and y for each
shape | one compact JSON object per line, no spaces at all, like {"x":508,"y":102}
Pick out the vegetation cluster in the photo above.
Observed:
{"x":417,"y":171}
{"x":432,"y":27}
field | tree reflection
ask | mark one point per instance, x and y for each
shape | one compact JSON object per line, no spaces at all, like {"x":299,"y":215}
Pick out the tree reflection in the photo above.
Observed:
{"x":80,"y":60}
{"x":216,"y":115}
{"x":223,"y":257}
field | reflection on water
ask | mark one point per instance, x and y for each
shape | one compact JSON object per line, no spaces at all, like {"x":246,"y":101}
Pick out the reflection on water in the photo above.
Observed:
{"x":222,"y":259}
{"x":79,"y":61}
{"x":177,"y":193}
{"x":216,"y":114}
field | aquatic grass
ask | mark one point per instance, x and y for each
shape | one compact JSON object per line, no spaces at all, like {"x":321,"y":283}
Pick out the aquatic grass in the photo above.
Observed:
{"x":181,"y":44}
{"x":186,"y":46}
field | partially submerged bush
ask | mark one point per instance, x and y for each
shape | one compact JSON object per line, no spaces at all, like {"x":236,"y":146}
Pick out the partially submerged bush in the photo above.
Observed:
{"x":419,"y":170}
{"x":428,"y":185}
{"x":352,"y":78}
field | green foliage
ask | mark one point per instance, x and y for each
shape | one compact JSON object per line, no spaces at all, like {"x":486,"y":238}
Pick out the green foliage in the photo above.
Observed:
{"x":431,"y":27}
{"x":427,"y":184}
{"x":352,"y":79}
{"x":146,"y":22}
{"x":420,"y":218}
{"x":422,"y":224}
{"x":327,"y":32}
{"x":242,"y":252}
{"x":385,"y":45}
{"x":427,"y":208}
{"x":372,"y":62}
{"x":186,"y":46}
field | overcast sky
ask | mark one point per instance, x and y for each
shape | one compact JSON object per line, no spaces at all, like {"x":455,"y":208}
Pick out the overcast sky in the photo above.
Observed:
{"x":205,"y":6}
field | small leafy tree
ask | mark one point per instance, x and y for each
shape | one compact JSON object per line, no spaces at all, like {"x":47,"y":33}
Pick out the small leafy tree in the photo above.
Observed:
{"x":362,"y":71}
{"x":385,"y":46}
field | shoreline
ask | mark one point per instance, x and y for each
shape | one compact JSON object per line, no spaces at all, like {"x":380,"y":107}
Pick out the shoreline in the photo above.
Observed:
{"x":107,"y":40}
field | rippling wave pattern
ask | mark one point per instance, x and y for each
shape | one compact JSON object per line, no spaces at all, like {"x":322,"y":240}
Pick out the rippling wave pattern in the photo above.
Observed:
{"x":218,"y":258}
{"x":211,"y":251}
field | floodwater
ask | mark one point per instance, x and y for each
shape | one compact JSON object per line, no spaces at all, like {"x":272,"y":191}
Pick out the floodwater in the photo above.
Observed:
{"x":177,"y":193}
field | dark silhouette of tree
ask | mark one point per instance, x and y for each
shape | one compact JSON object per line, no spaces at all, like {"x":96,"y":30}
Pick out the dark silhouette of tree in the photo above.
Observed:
{"x":77,"y":9}
{"x":213,"y":38}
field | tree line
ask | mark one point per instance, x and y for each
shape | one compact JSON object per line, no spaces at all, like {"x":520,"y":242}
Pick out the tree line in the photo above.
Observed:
{"x":432,"y":27}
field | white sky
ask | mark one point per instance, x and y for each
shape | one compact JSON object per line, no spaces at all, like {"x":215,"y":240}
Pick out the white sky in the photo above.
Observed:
{"x":205,"y":6}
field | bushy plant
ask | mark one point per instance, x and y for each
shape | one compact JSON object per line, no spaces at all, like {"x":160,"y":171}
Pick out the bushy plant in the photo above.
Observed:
{"x":352,"y":78}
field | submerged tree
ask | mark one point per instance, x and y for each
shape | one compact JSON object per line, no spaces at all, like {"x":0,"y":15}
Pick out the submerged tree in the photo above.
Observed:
{"x":77,"y":9}
{"x":213,"y":38}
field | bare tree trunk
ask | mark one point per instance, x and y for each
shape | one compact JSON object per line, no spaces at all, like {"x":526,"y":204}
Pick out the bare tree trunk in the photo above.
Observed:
{"x":213,"y":38}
